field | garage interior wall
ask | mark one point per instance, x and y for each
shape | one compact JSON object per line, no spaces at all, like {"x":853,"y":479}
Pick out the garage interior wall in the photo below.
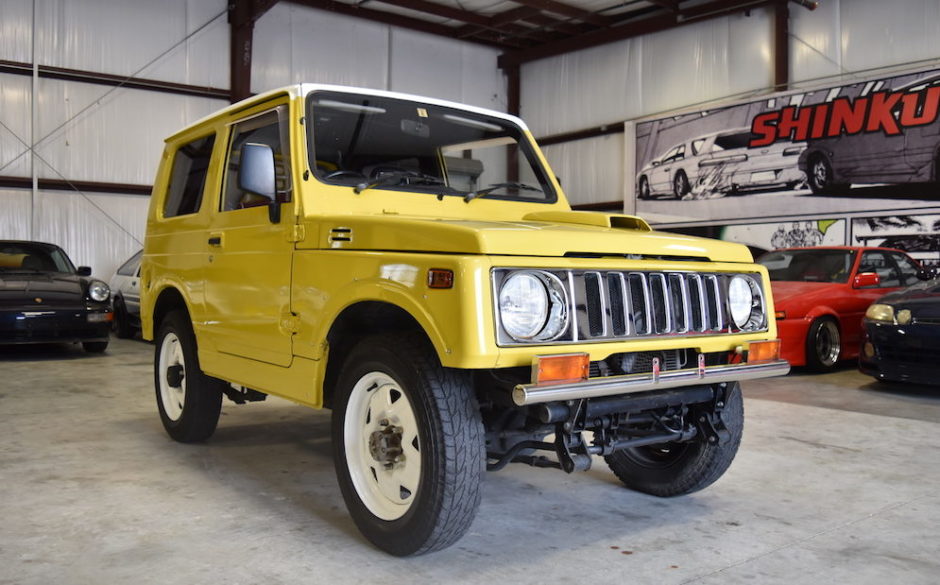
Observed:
{"x":92,"y":132}
{"x":724,"y":59}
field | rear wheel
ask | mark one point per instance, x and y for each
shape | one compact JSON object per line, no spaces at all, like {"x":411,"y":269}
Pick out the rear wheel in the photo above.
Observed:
{"x":188,"y":400}
{"x":408,"y":445}
{"x":820,"y":177}
{"x":680,"y":185}
{"x":673,"y":469}
{"x":823,"y":344}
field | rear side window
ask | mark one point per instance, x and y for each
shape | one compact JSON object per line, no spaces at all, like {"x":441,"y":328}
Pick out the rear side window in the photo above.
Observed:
{"x":188,"y":178}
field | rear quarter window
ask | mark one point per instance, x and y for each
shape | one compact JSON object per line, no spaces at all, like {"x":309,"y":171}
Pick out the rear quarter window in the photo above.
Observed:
{"x":188,"y":177}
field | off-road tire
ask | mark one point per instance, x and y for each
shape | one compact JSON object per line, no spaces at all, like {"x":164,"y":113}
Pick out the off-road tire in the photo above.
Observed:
{"x":823,"y":345}
{"x":675,"y":469}
{"x":449,"y":437}
{"x":190,"y":408}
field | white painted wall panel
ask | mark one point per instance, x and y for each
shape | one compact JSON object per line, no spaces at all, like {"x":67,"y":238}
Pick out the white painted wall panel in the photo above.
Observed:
{"x":591,"y":170}
{"x":641,"y":76}
{"x":118,"y":138}
{"x":15,"y":115}
{"x":16,"y":22}
{"x":294,"y":44}
{"x":14,"y":217}
{"x":97,"y":230}
{"x":122,"y":37}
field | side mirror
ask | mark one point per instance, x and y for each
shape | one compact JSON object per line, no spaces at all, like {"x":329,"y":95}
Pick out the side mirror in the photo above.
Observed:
{"x":256,"y":175}
{"x":866,"y":280}
{"x":655,"y":163}
{"x":83,"y":271}
{"x":926,"y":274}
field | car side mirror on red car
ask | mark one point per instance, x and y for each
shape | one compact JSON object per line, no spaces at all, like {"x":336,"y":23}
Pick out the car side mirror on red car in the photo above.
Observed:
{"x":866,"y":280}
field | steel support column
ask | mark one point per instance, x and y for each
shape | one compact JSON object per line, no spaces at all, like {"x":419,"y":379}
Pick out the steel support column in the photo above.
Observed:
{"x":782,"y":45}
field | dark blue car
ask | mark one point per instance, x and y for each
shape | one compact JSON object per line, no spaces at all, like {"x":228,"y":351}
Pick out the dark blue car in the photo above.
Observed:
{"x":45,"y":299}
{"x":901,"y":339}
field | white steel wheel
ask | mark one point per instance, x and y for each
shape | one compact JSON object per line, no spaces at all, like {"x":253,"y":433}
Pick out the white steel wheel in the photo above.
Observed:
{"x":189,"y":401}
{"x":172,"y":377}
{"x":407,"y":444}
{"x":383,"y":451}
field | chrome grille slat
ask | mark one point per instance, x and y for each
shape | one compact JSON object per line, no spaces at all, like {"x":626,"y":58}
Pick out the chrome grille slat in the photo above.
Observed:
{"x":621,"y":305}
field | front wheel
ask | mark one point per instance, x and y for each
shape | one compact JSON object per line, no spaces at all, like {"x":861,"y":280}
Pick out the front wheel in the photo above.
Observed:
{"x":644,"y":191}
{"x":673,"y":469}
{"x":408,"y":445}
{"x":188,"y":400}
{"x":823,"y":345}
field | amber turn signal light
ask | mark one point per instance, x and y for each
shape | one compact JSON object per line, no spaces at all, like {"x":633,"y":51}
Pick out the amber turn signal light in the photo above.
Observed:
{"x":440,"y":278}
{"x":763,"y":351}
{"x":559,"y":369}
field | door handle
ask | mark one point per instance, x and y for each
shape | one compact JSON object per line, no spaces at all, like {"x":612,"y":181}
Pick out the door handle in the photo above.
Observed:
{"x":215,"y":240}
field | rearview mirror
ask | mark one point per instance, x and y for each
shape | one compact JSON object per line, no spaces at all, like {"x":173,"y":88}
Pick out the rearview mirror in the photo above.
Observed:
{"x":256,"y":175}
{"x":866,"y":280}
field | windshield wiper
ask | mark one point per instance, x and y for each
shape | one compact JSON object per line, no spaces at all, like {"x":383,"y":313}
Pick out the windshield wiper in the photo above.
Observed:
{"x":496,"y":187}
{"x":396,"y":178}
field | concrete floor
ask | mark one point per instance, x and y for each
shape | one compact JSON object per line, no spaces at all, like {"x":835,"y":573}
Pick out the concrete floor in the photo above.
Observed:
{"x":836,"y":482}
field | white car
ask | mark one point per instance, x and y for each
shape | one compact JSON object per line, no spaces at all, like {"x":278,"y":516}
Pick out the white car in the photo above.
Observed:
{"x":720,"y":163}
{"x":125,"y":297}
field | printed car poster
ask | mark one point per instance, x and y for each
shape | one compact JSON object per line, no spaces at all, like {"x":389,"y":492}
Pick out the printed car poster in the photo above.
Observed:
{"x":868,"y":146}
{"x":918,"y":235}
{"x":763,"y":237}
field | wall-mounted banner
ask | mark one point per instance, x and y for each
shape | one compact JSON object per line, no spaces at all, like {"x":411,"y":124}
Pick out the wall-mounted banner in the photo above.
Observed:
{"x":917,"y":235}
{"x":867,"y":146}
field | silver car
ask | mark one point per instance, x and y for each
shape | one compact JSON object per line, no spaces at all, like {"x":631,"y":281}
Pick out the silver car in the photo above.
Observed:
{"x":125,"y":297}
{"x":720,"y":163}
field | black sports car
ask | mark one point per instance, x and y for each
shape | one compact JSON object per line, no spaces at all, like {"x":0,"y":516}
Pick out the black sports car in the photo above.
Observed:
{"x":901,"y":340}
{"x":45,"y":299}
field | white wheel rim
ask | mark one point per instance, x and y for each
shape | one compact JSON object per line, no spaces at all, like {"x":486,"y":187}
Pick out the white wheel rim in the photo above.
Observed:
{"x":378,"y":405}
{"x":172,"y":397}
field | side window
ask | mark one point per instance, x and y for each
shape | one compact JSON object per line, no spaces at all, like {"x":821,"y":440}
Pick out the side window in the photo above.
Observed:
{"x":270,"y":129}
{"x":132,"y":266}
{"x":188,"y":177}
{"x":879,"y":263}
{"x":907,"y":268}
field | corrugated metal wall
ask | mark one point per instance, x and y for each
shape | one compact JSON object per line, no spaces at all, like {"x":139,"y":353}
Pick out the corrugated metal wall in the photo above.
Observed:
{"x":96,"y":133}
{"x":721,"y":58}
{"x":89,"y":132}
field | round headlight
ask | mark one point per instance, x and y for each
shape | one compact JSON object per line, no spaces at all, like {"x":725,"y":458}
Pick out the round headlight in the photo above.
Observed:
{"x":98,"y":291}
{"x":523,"y":305}
{"x":740,"y":300}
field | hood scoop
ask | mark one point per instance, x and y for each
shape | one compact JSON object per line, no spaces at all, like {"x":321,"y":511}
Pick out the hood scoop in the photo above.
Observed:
{"x":592,"y":218}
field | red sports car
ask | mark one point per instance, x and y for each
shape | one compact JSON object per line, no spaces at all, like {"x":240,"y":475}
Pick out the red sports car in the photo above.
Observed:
{"x":821,"y":294}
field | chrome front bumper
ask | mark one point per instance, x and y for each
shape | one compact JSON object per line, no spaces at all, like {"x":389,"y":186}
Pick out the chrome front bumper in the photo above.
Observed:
{"x":525,"y":394}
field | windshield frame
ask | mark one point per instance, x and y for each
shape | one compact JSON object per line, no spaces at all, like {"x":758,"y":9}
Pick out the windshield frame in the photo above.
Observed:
{"x":427,"y":184}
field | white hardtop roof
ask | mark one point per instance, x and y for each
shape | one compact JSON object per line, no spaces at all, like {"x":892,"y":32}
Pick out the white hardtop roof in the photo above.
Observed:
{"x":302,"y":89}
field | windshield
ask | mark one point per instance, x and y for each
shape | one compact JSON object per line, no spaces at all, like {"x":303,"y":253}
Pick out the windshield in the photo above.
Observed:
{"x":33,"y":257}
{"x":810,"y":265}
{"x":373,"y":142}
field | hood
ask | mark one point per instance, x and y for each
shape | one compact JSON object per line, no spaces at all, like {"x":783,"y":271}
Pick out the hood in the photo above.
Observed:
{"x":50,"y":287}
{"x":786,"y":292}
{"x":923,"y":299}
{"x":547,"y":234}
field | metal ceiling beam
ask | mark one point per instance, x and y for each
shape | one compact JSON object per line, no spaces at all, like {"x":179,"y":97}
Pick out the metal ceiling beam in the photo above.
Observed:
{"x":630,"y":29}
{"x":392,"y":19}
{"x":566,"y":10}
{"x":439,"y":10}
{"x":242,"y":15}
{"x":670,"y":5}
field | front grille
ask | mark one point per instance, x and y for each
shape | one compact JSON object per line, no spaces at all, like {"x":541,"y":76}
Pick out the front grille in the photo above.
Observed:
{"x":610,"y":305}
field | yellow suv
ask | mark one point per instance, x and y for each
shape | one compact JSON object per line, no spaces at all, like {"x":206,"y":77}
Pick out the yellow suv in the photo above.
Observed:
{"x":413,"y":265}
